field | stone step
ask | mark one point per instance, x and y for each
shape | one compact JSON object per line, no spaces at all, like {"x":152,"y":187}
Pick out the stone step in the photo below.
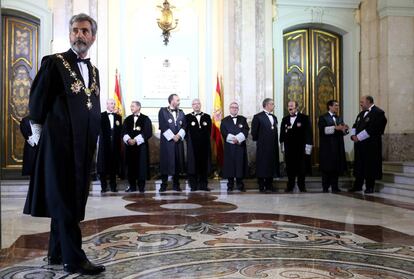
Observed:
{"x":400,"y":167}
{"x":312,"y":184}
{"x":405,"y":190}
{"x":398,"y":177}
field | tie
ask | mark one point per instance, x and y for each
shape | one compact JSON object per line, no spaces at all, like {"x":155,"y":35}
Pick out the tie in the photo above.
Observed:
{"x":85,"y":60}
{"x":293,"y":115}
{"x":198,"y":113}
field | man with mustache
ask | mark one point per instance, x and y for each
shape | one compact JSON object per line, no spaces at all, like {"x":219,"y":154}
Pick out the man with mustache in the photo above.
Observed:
{"x":65,"y":114}
{"x":296,"y":142}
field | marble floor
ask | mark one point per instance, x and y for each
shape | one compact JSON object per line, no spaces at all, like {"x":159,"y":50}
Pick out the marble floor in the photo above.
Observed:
{"x":224,"y":235}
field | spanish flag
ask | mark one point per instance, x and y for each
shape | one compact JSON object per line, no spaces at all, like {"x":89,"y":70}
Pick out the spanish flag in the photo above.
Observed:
{"x":217,"y":115}
{"x":117,"y":96}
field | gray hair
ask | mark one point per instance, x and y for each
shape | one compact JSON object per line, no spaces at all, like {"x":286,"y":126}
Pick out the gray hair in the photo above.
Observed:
{"x":234,"y":103}
{"x":84,"y":17}
{"x":266,"y":101}
{"x":137,"y":103}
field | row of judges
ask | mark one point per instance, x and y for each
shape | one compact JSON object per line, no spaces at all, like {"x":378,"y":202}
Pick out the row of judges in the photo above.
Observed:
{"x":194,"y":128}
{"x":65,"y":121}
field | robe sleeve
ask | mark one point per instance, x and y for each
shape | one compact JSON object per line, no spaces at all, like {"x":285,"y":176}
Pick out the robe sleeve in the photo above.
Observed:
{"x":255,"y":128}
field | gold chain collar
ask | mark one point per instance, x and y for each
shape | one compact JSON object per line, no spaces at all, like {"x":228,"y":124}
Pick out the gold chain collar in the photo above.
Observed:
{"x":78,"y":85}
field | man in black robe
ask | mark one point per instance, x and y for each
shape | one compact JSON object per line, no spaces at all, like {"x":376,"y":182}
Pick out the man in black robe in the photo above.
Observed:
{"x":109,"y":151}
{"x":296,"y":143}
{"x":172,"y":126}
{"x":136,"y":132}
{"x":367,"y":134}
{"x":264,"y":132}
{"x":30,"y":145}
{"x":234,"y":129}
{"x":332,"y":160}
{"x":198,"y":147}
{"x":64,"y":105}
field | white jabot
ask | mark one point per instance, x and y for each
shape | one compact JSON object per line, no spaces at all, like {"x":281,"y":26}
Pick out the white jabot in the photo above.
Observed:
{"x":111,"y":119}
{"x":270,"y":116}
{"x":293,"y":119}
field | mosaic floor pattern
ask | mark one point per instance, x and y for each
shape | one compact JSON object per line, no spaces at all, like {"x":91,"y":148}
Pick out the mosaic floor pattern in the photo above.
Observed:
{"x":173,"y":243}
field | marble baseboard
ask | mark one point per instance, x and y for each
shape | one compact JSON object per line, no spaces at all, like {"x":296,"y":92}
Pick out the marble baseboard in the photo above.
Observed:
{"x":398,"y":147}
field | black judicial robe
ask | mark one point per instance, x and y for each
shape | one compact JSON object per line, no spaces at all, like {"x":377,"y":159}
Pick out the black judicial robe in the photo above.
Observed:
{"x":331,"y":147}
{"x":137,"y":156}
{"x":368,"y":153}
{"x":198,"y":144}
{"x":171,"y":152}
{"x":109,"y":150}
{"x":29,"y":151}
{"x":59,"y":185}
{"x":267,"y":145}
{"x":295,"y":138}
{"x":235,"y":155}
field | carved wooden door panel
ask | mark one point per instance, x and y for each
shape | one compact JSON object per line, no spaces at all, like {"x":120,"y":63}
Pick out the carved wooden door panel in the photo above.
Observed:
{"x":19,"y":67}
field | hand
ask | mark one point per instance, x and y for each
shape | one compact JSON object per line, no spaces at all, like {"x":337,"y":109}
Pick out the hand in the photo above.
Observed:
{"x":131,"y":142}
{"x":235,"y":141}
{"x":176,"y":138}
{"x":354,"y":138}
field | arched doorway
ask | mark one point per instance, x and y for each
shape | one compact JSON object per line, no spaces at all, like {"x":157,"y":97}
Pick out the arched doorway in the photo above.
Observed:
{"x":312,"y":72}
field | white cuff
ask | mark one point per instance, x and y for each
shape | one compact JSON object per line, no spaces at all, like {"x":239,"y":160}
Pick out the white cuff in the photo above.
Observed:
{"x":139,"y":139}
{"x":36,"y":131}
{"x":126,"y":138}
{"x":168,"y":134}
{"x":353,"y":132}
{"x":181,"y":133}
{"x":329,"y":130}
{"x":308,"y":149}
{"x":230,"y":138}
{"x":31,"y":141}
{"x":240,"y":137}
{"x":363,"y":135}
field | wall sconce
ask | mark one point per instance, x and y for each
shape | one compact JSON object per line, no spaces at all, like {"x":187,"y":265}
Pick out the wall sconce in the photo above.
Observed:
{"x":167,"y":22}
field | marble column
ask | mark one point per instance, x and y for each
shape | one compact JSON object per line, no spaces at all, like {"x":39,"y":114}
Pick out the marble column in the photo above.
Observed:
{"x":247,"y":76}
{"x":387,"y":68}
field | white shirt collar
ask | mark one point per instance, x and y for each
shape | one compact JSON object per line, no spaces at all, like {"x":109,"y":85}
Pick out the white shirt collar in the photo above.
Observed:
{"x":77,"y":55}
{"x":371,"y":107}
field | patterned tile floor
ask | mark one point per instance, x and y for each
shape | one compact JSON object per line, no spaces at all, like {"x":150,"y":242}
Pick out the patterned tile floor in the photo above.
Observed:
{"x":241,"y":235}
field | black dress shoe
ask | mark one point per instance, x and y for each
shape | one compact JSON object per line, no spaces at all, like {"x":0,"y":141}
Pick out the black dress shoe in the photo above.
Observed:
{"x":303,"y":190}
{"x":229,"y":189}
{"x":205,"y":189}
{"x":114,"y":190}
{"x":369,"y":191}
{"x":288,"y":190}
{"x":104,"y":190}
{"x":336,"y":190}
{"x":326,"y":191}
{"x":131,"y":189}
{"x":54,"y":260}
{"x":85,"y":267}
{"x":141,"y":189}
{"x":351,"y":190}
{"x":163,"y":188}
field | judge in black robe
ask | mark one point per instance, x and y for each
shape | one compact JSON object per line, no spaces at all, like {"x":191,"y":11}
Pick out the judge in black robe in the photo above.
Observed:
{"x":172,"y":125}
{"x":64,"y":101}
{"x":109,"y":151}
{"x":198,"y":147}
{"x":235,"y":130}
{"x":296,"y":143}
{"x":264,"y":132}
{"x":367,"y":134}
{"x":30,"y":146}
{"x":136,"y":132}
{"x":332,"y":160}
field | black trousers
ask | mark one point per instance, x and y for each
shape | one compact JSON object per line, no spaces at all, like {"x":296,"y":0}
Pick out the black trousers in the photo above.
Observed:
{"x":359,"y":182}
{"x":198,"y":181}
{"x":330,"y":179}
{"x":291,"y":183}
{"x":164,"y":180}
{"x":265,"y":183}
{"x":239,"y":182}
{"x":66,"y":241}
